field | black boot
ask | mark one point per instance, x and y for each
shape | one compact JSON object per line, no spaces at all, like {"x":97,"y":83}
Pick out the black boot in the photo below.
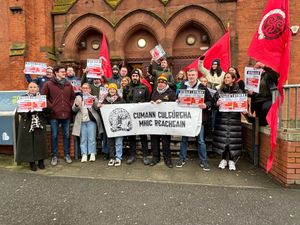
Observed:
{"x":168,"y":163}
{"x":41,"y":164}
{"x":33,"y":166}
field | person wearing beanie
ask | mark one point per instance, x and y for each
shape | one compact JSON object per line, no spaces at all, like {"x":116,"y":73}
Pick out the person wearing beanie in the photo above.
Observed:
{"x":115,"y":144}
{"x":137,"y":93}
{"x":164,"y":68}
{"x":116,"y":77}
{"x":163,"y":93}
{"x":215,"y":75}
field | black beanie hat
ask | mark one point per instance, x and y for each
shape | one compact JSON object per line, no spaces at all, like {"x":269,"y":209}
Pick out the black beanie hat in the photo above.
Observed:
{"x":216,"y":61}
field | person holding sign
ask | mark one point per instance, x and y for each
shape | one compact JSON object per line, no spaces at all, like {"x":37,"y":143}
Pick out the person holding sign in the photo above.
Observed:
{"x":215,"y":75}
{"x":115,"y":144}
{"x":163,"y":69}
{"x":227,"y":138}
{"x":40,"y":80}
{"x":163,"y":93}
{"x":32,"y":137}
{"x":239,"y":81}
{"x":116,"y":77}
{"x":60,"y":98}
{"x":261,"y":102}
{"x":87,"y":122}
{"x":137,"y":93}
{"x":193,"y":84}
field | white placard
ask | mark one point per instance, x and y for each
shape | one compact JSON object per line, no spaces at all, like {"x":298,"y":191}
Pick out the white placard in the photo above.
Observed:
{"x":252,"y":79}
{"x":35,"y":68}
{"x":157,"y":53}
{"x":94,"y":67}
{"x":166,"y":118}
{"x":31,"y":103}
{"x":233,"y":103}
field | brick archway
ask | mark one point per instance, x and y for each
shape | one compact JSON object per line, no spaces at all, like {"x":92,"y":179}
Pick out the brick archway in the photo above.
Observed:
{"x":77,"y":28}
{"x":211,"y":23}
{"x":134,"y":21}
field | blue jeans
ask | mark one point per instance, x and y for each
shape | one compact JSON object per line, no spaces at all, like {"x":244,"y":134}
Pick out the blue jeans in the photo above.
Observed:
{"x":88,"y":138}
{"x":105,"y":148}
{"x":65,"y":124}
{"x":115,"y":147}
{"x":200,"y":144}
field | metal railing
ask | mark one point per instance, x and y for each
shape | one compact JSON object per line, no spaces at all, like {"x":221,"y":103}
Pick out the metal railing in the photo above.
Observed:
{"x":289,"y":114}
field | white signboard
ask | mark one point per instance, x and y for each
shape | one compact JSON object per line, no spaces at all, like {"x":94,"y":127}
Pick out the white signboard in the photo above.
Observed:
{"x":252,"y":79}
{"x":157,"y":53}
{"x":166,"y":118}
{"x":233,"y":103}
{"x":94,"y":68}
{"x":35,"y":68}
{"x":31,"y":103}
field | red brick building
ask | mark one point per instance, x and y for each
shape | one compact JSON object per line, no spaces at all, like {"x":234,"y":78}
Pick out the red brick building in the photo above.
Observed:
{"x":70,"y":31}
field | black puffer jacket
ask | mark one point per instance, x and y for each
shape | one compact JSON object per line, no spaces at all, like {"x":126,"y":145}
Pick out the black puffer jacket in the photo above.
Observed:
{"x":228,"y":128}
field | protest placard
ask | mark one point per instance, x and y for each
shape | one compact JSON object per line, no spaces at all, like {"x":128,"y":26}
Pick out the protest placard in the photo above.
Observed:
{"x":35,"y":68}
{"x":76,"y":84}
{"x":252,"y":79}
{"x":94,"y":67}
{"x":233,"y":103}
{"x":158,"y":53}
{"x":88,"y":101}
{"x":191,"y":98}
{"x":31,"y":103}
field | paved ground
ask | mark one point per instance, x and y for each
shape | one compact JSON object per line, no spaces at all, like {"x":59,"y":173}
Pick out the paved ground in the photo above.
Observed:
{"x":93,"y":193}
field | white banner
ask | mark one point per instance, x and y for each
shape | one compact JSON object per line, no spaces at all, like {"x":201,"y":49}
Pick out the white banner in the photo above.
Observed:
{"x":252,"y":79}
{"x":166,"y":118}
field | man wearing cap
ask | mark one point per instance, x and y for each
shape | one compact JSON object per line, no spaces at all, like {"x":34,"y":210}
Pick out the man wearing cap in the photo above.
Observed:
{"x":194,"y":84}
{"x":137,"y":93}
{"x":215,"y":75}
{"x":163,"y":93}
{"x":163,"y":69}
{"x":41,"y":80}
{"x":116,"y":77}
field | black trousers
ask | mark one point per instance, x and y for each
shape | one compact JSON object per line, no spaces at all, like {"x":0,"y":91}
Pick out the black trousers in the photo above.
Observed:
{"x":144,"y":142}
{"x":155,"y":145}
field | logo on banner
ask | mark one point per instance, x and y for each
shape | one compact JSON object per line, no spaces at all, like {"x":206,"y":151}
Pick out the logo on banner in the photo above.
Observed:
{"x":272,"y":25}
{"x":119,"y":120}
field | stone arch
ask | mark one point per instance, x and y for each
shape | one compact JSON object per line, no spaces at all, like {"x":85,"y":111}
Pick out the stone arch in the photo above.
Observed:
{"x":78,"y":27}
{"x":135,"y":20}
{"x":208,"y":21}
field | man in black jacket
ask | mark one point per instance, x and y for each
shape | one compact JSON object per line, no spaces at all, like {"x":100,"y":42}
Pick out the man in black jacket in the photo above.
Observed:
{"x":193,"y":84}
{"x":138,"y":93}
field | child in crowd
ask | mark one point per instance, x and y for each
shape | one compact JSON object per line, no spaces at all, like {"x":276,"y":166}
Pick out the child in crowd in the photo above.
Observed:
{"x":114,"y":144}
{"x":32,"y":138}
{"x":87,"y":120}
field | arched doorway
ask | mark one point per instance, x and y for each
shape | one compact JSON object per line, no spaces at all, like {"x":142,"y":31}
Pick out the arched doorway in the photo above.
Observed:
{"x":137,"y":49}
{"x":191,"y":41}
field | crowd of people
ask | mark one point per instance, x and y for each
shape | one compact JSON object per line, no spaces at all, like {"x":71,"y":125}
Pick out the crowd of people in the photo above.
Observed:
{"x":156,"y":85}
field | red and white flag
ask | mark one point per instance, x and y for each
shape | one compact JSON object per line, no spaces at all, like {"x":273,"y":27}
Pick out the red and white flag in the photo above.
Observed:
{"x":271,"y":46}
{"x":105,"y":60}
{"x":220,"y":50}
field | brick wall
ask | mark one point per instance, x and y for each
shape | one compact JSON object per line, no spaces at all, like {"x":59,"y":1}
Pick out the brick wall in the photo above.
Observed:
{"x":286,"y":165}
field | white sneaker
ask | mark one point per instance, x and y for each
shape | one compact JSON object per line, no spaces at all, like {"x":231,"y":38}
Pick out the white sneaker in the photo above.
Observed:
{"x":84,"y":158}
{"x":231,"y":165}
{"x":223,"y":164}
{"x":111,"y":162}
{"x":118,"y":162}
{"x":92,"y":157}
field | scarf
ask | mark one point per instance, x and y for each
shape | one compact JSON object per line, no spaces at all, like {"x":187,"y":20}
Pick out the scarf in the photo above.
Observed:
{"x":162,"y":90}
{"x":112,"y":99}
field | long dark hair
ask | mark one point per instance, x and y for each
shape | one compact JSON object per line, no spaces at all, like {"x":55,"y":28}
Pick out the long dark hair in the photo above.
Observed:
{"x":218,"y":71}
{"x":236,"y":72}
{"x":233,"y":76}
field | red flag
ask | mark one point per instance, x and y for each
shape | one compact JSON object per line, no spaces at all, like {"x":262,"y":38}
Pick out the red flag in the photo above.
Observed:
{"x":220,"y":50}
{"x":271,"y":46}
{"x":104,"y":56}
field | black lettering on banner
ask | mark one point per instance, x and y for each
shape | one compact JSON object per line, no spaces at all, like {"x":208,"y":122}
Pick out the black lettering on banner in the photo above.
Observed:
{"x":145,"y":123}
